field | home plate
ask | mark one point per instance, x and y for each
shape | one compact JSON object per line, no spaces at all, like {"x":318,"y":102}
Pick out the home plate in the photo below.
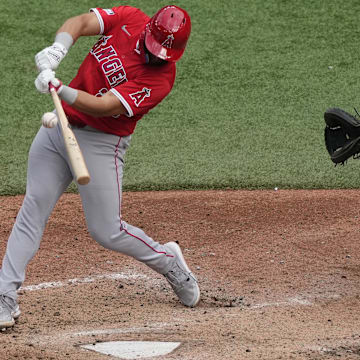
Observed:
{"x":133,"y":349}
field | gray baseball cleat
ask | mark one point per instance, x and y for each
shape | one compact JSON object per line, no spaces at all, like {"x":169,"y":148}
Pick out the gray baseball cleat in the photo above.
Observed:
{"x":9,"y":311}
{"x":181,"y":279}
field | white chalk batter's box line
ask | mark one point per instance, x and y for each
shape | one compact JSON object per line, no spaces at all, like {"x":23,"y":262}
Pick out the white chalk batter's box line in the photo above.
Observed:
{"x":86,"y":280}
{"x":295,"y":301}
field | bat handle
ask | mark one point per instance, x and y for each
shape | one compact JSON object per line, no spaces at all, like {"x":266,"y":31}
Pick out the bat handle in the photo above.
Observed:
{"x":52,"y":87}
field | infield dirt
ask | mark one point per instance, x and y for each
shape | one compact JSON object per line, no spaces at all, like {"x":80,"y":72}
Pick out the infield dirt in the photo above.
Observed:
{"x":279,"y":273}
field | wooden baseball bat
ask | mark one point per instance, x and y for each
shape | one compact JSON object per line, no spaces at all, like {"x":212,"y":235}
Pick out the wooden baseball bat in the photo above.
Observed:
{"x":76,"y":158}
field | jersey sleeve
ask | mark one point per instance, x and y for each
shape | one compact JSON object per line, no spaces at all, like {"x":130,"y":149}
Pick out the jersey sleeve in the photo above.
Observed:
{"x":109,"y":18}
{"x":141,"y":95}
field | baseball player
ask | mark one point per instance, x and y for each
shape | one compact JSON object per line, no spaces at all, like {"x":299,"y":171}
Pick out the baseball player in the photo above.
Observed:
{"x":129,"y":70}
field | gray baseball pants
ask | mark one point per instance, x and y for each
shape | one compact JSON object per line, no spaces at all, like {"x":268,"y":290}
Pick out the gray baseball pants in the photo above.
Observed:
{"x":49,"y":174}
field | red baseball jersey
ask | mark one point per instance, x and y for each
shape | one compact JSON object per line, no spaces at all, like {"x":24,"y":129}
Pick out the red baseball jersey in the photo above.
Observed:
{"x":114,"y":64}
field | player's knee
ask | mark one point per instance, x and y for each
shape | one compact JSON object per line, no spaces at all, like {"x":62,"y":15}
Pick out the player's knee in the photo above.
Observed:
{"x":96,"y":234}
{"x":105,"y":237}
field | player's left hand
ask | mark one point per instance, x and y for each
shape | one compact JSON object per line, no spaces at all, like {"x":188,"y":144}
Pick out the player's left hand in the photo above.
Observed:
{"x":50,"y":57}
{"x":43,"y":80}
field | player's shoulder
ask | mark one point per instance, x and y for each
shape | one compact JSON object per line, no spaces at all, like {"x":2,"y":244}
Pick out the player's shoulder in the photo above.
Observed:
{"x":131,"y":12}
{"x":161,"y":75}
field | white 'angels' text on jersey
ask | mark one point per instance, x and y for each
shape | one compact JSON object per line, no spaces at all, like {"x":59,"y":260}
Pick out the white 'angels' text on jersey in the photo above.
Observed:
{"x":111,"y":64}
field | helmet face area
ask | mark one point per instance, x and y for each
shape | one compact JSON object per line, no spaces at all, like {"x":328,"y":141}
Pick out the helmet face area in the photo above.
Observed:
{"x":167,"y":33}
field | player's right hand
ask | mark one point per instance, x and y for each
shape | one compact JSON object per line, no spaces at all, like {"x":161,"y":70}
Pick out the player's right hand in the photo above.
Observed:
{"x":50,"y":57}
{"x":43,"y":80}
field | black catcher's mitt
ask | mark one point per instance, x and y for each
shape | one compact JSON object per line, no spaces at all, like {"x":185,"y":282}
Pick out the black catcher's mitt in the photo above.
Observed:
{"x":342,"y":135}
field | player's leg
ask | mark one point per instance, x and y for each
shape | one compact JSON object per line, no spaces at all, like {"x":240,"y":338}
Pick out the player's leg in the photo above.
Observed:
{"x":101,"y":199}
{"x":48,"y":175}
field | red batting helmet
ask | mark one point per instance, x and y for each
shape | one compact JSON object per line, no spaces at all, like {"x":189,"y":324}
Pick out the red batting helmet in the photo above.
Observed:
{"x":167,"y":33}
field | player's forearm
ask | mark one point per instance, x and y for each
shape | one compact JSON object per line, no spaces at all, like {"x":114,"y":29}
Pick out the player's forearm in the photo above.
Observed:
{"x":82,"y":25}
{"x":66,"y":36}
{"x":71,"y":27}
{"x":96,"y":106}
{"x":90,"y":104}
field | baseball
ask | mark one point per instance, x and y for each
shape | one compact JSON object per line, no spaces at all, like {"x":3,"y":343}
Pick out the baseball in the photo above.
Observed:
{"x":49,"y":120}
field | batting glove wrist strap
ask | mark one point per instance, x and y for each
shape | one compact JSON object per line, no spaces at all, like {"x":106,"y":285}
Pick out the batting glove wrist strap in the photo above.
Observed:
{"x":67,"y":93}
{"x":65,"y":39}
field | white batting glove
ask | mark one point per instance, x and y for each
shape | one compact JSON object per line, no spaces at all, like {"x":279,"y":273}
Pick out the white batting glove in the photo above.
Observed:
{"x":43,"y":80}
{"x":50,"y":57}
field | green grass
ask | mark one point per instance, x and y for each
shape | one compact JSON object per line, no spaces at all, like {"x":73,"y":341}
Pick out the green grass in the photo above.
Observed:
{"x":247,"y":107}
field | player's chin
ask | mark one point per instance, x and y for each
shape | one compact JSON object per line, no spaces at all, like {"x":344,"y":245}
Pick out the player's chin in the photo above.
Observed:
{"x":156,"y":61}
